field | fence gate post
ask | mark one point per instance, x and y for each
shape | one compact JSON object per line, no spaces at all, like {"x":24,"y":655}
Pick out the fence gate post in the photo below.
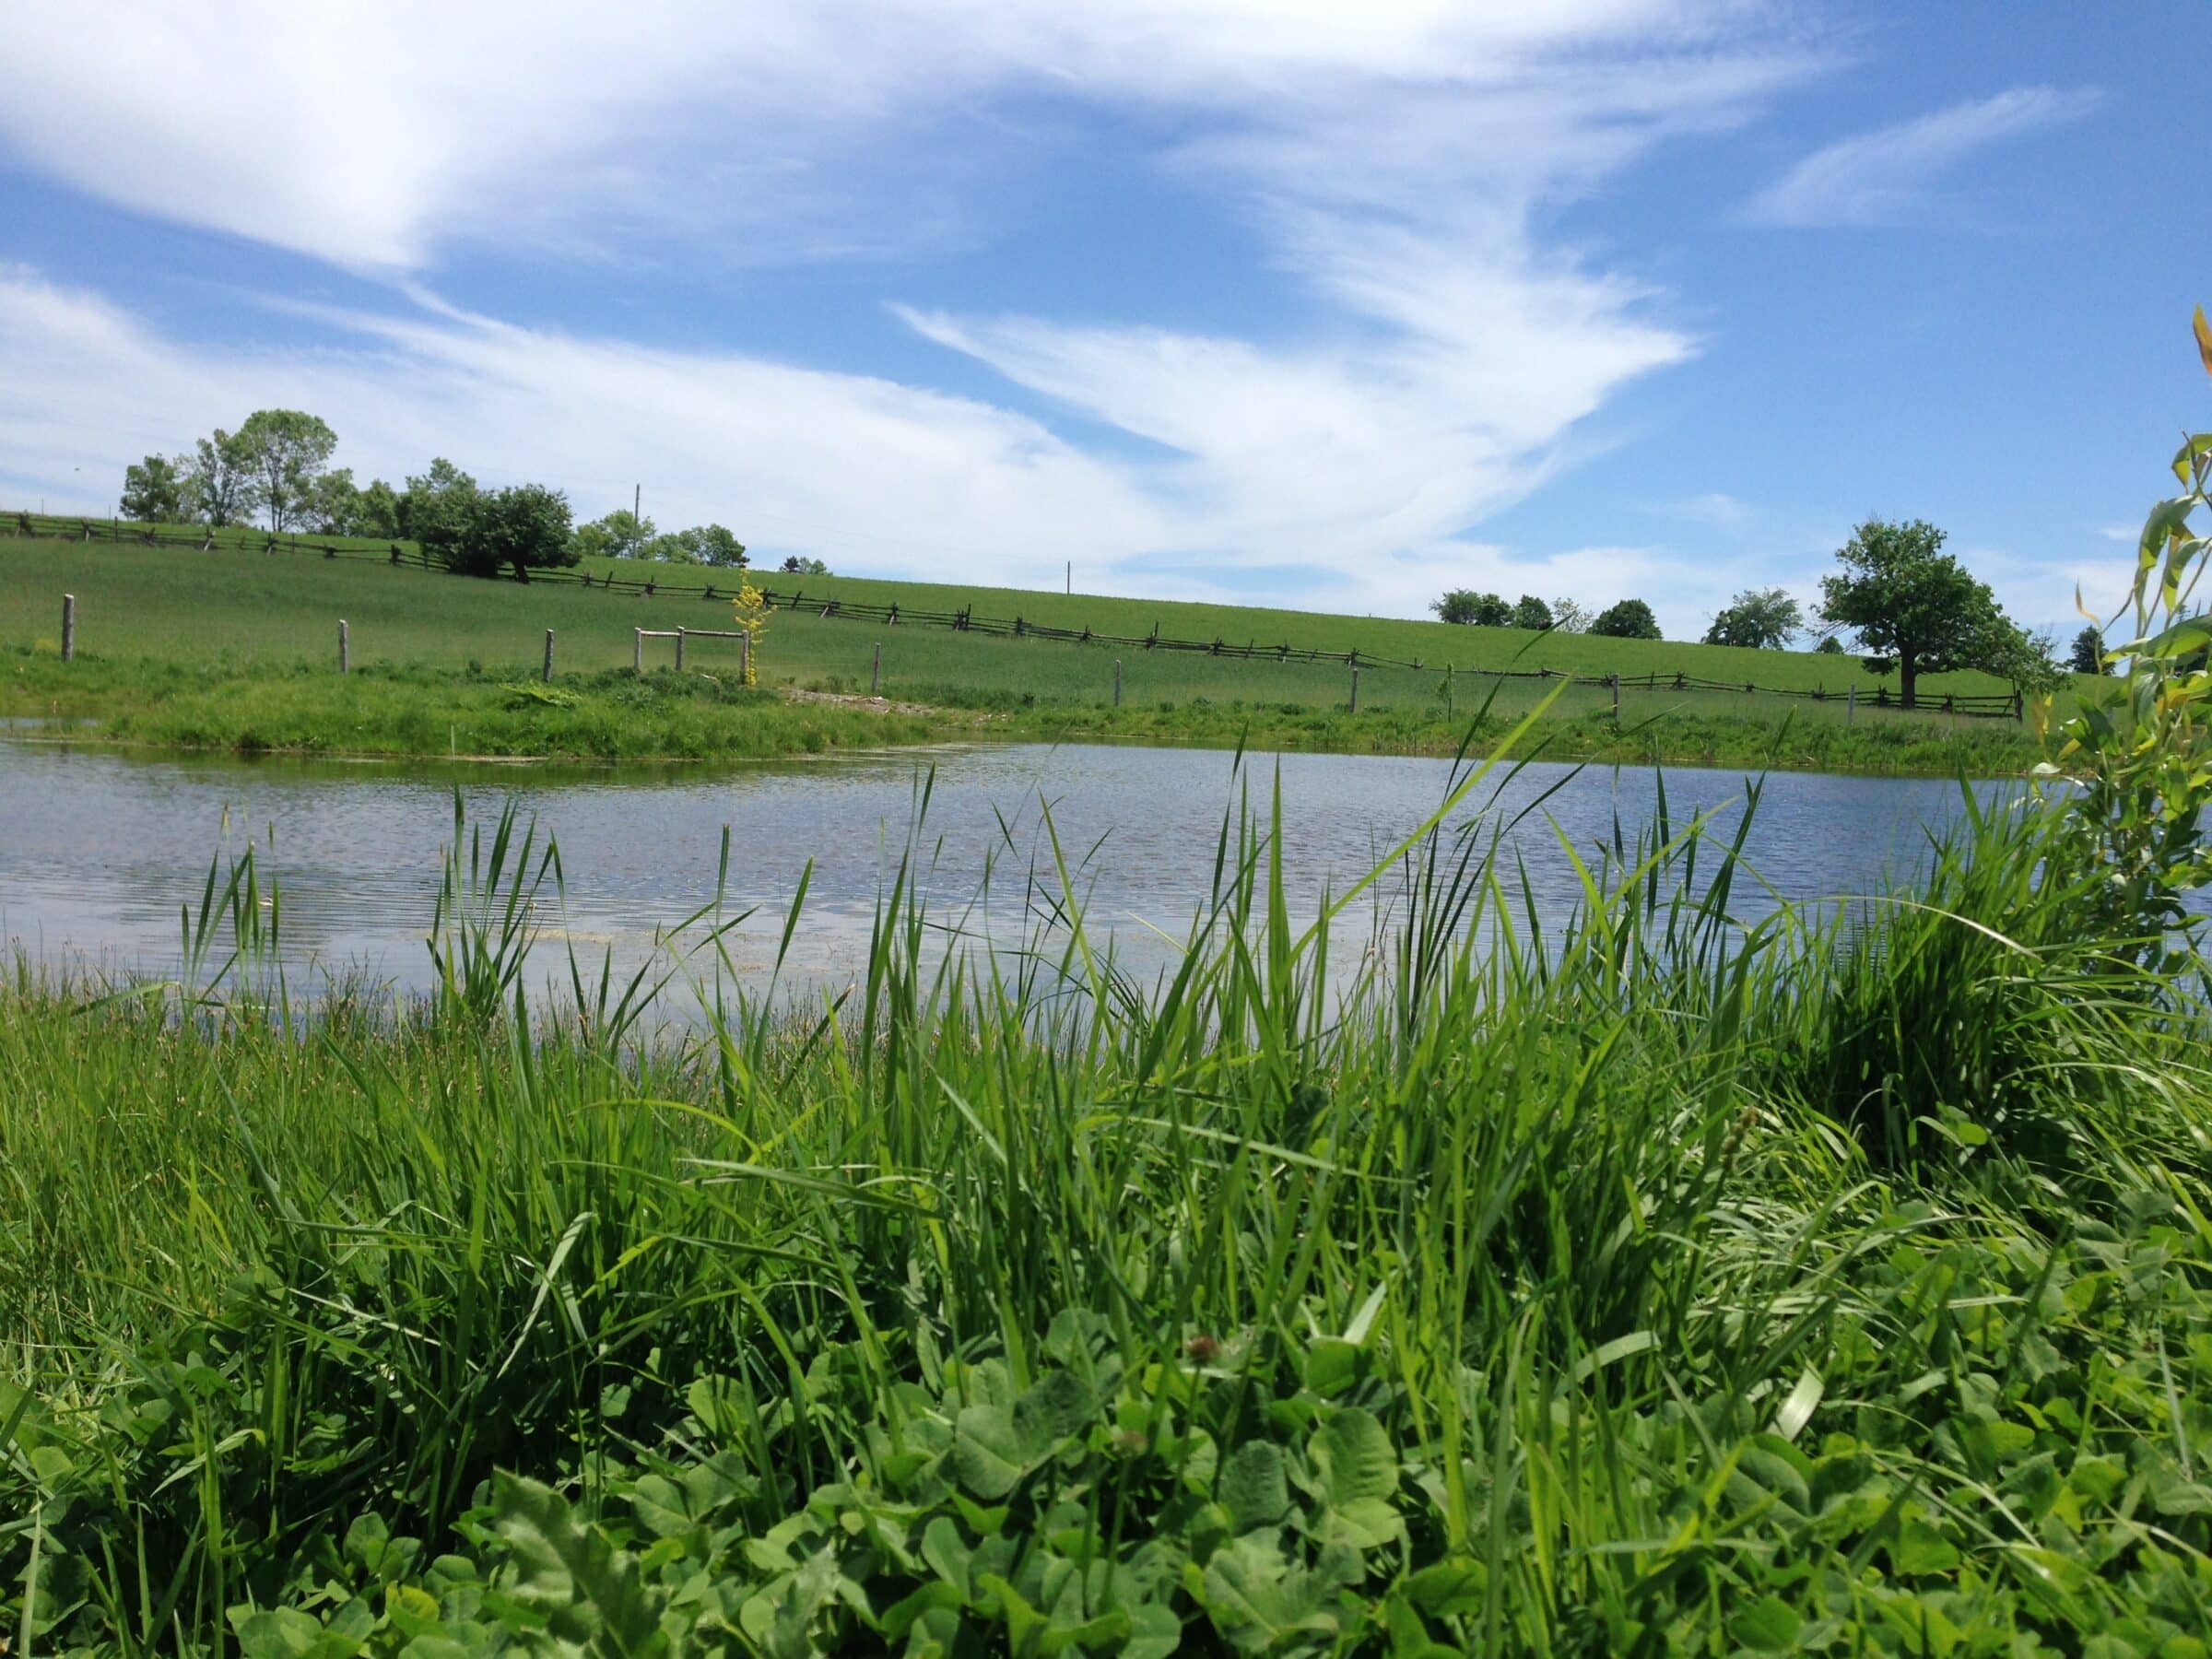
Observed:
{"x":1117,"y":682}
{"x":68,"y":627}
{"x":637,"y":651}
{"x":345,"y":655}
{"x":548,"y":673}
{"x":875,"y":671}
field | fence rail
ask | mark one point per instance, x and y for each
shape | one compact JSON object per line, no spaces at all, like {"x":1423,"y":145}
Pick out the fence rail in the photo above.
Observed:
{"x":1980,"y":705}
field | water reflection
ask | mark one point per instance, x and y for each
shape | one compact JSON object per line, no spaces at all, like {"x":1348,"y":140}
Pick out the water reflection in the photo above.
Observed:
{"x":100,"y":849}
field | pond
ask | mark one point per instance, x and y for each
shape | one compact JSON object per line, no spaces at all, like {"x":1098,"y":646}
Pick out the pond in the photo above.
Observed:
{"x":99,"y":848}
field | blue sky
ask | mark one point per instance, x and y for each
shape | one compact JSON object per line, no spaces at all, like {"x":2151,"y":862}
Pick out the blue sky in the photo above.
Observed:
{"x":1301,"y":303}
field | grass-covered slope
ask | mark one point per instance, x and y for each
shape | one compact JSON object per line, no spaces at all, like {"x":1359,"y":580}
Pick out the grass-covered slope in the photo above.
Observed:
{"x":223,"y":623}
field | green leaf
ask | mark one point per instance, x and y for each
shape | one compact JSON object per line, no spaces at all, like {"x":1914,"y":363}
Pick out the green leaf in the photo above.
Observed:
{"x":1253,"y":1486}
{"x":1257,"y":1600}
{"x":946,"y":1553}
{"x":1769,"y":1625}
{"x":2187,"y":456}
{"x":587,"y":1590}
{"x":1363,"y":1523}
{"x":1450,"y":1589}
{"x":995,"y":1446}
{"x":272,"y":1632}
{"x":1354,"y":1458}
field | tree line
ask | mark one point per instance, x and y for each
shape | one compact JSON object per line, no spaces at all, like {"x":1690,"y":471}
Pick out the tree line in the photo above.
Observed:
{"x":1912,"y":608}
{"x":275,"y":470}
{"x":1628,"y":620}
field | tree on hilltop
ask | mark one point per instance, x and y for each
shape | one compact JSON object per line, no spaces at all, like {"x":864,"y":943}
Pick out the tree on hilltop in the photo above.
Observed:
{"x":1471,"y":609}
{"x":1532,"y":613}
{"x":620,"y":535}
{"x":1917,"y":608}
{"x":218,"y":484}
{"x":1761,"y":618}
{"x":1628,"y":619}
{"x":154,"y":491}
{"x":284,"y":451}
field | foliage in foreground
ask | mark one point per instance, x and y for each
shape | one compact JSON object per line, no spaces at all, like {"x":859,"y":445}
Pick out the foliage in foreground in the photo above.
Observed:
{"x":1668,"y":1280}
{"x":1631,"y":1288}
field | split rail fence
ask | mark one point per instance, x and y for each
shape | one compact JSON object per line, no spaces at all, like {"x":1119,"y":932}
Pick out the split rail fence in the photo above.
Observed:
{"x":1981,"y":705}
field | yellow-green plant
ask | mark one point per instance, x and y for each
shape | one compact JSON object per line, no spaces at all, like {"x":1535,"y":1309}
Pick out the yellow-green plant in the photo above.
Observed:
{"x":751,"y":608}
{"x":2142,"y":761}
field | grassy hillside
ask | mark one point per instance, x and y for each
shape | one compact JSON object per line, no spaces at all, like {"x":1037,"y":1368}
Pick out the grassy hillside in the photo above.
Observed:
{"x":1431,"y":643}
{"x":158,"y":624}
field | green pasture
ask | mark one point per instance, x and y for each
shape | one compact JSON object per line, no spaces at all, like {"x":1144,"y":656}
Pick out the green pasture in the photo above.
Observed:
{"x":227,"y":617}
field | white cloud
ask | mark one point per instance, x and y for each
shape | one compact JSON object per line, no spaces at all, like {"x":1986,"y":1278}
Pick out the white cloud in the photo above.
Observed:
{"x":370,"y":134}
{"x":860,"y":472}
{"x":1396,"y":160}
{"x":1888,"y":176}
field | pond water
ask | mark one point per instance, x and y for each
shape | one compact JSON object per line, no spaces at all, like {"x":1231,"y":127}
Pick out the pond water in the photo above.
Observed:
{"x":99,"y":849}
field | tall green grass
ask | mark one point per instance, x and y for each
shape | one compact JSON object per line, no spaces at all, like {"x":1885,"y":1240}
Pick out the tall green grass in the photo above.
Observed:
{"x":1462,"y":1280}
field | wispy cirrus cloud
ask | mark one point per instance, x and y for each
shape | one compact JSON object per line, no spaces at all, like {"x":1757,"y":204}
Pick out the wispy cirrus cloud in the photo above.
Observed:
{"x":1397,"y":163}
{"x":1891,"y":176}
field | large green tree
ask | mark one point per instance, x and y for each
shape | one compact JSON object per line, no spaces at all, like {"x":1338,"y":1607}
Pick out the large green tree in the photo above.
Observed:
{"x":620,"y":535}
{"x":218,"y":486}
{"x":1625,"y":620}
{"x":2089,"y":651}
{"x":1467,"y":607}
{"x":1913,"y":607}
{"x":379,"y":510}
{"x":284,"y":453}
{"x":439,"y":508}
{"x":1531,"y":612}
{"x":1761,"y":618}
{"x":154,"y":491}
{"x":700,"y":544}
{"x":334,"y":504}
{"x":523,"y":528}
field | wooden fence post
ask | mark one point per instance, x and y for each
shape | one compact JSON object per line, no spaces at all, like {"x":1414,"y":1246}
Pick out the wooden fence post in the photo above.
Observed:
{"x":345,"y":655}
{"x":744,"y":658}
{"x":679,"y":651}
{"x":637,"y":651}
{"x":1355,"y":708}
{"x":1851,"y":706}
{"x":1616,"y":679}
{"x":68,"y":627}
{"x":875,"y":671}
{"x":1117,"y":682}
{"x":548,"y":671}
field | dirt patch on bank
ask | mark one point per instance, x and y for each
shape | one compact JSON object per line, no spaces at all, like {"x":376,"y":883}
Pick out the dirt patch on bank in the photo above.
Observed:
{"x":882,"y":705}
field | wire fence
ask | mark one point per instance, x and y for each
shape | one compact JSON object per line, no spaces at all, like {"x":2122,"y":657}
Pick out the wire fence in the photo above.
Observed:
{"x":1980,"y":705}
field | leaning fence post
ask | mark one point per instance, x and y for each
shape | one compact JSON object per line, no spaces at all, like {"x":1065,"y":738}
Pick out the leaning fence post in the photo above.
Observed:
{"x":637,"y":651}
{"x":1117,"y":682}
{"x":68,"y":627}
{"x":548,"y":672}
{"x":345,"y":658}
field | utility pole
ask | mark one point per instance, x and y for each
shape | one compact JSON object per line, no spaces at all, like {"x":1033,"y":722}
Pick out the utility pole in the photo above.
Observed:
{"x":637,"y":502}
{"x":1070,"y":576}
